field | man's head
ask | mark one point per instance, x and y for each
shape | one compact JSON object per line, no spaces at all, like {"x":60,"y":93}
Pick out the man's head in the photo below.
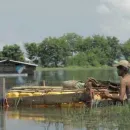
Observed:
{"x":122,"y":67}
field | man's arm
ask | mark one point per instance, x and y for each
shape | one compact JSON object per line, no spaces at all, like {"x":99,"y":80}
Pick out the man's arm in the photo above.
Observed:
{"x":122,"y":92}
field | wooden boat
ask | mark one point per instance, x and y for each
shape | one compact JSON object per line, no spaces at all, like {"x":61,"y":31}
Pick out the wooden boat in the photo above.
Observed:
{"x":44,"y":96}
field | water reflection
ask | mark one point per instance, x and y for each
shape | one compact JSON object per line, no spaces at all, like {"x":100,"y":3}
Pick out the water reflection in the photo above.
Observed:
{"x":2,"y":120}
{"x":20,"y":80}
{"x":56,"y":77}
{"x":114,"y":118}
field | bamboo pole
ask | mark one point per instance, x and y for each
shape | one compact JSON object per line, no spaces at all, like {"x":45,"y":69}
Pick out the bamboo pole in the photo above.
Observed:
{"x":3,"y":93}
{"x":3,"y":121}
{"x":44,"y":83}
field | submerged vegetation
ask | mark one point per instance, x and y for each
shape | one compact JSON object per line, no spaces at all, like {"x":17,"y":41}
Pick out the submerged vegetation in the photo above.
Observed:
{"x":113,"y":117}
{"x":71,"y":50}
{"x":110,"y":118}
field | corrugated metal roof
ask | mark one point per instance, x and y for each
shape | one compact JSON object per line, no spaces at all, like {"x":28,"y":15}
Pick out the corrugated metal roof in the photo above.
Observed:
{"x":2,"y":61}
{"x":25,"y":63}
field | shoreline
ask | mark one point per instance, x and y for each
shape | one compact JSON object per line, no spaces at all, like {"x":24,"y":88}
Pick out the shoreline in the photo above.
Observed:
{"x":39,"y":68}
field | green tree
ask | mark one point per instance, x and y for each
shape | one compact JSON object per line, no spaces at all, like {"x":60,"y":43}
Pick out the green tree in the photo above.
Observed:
{"x":53,"y":51}
{"x":72,"y":39}
{"x":94,"y":45}
{"x":13,"y":52}
{"x":113,"y":50}
{"x":78,"y":60}
{"x":99,"y":47}
{"x":73,"y":49}
{"x":126,"y":49}
{"x":32,"y":51}
{"x":1,"y":55}
{"x":92,"y":59}
{"x":85,"y":45}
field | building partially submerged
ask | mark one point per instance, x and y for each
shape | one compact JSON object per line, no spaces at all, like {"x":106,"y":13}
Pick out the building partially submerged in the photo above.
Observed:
{"x":16,"y":67}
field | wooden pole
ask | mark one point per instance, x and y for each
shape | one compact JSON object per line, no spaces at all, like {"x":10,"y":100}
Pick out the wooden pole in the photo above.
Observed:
{"x":44,"y":83}
{"x":2,"y":113}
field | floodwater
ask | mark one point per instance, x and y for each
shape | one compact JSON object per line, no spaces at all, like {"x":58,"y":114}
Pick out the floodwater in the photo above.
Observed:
{"x":56,"y":77}
{"x":113,"y":118}
{"x":81,"y":118}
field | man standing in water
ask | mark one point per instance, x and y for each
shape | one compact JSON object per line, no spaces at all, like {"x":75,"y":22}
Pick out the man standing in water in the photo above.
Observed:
{"x":123,"y":71}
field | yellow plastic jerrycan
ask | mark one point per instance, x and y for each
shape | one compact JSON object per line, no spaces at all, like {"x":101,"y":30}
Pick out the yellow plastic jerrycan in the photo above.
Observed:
{"x":97,"y":97}
{"x":25,"y":94}
{"x":54,"y":93}
{"x":37,"y":94}
{"x":12,"y":94}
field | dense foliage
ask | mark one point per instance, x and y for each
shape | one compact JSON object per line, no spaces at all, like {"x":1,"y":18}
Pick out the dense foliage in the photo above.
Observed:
{"x":72,"y":50}
{"x":12,"y":52}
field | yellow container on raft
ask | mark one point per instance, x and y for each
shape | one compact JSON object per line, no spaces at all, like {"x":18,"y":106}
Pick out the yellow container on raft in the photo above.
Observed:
{"x":37,"y":94}
{"x":54,"y":93}
{"x":67,"y":92}
{"x":62,"y":92}
{"x":97,"y":97}
{"x":25,"y":94}
{"x":12,"y":94}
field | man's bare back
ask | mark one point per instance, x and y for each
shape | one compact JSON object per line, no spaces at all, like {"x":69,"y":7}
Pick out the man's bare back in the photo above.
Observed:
{"x":122,"y":70}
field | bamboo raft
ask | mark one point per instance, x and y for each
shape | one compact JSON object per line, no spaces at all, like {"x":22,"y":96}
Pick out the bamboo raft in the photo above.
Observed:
{"x":45,"y":96}
{"x":49,"y":97}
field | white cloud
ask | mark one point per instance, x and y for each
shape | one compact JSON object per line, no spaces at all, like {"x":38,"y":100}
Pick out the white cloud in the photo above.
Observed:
{"x":116,"y":23}
{"x":103,"y":9}
{"x":121,"y":5}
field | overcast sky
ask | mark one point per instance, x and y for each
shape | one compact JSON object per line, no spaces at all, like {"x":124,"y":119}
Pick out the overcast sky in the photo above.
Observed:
{"x":32,"y":20}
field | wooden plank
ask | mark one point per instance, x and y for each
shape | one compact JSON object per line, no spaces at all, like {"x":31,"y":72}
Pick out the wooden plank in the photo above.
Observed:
{"x":13,"y":75}
{"x":38,"y":87}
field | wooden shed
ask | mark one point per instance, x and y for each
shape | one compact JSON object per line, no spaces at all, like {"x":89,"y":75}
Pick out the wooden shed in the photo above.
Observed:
{"x":16,"y":67}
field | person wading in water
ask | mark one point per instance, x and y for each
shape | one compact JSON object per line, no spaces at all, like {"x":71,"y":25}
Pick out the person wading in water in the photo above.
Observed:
{"x":123,"y":71}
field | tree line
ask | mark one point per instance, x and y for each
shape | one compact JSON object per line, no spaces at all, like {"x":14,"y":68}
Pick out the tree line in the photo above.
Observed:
{"x":71,"y":49}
